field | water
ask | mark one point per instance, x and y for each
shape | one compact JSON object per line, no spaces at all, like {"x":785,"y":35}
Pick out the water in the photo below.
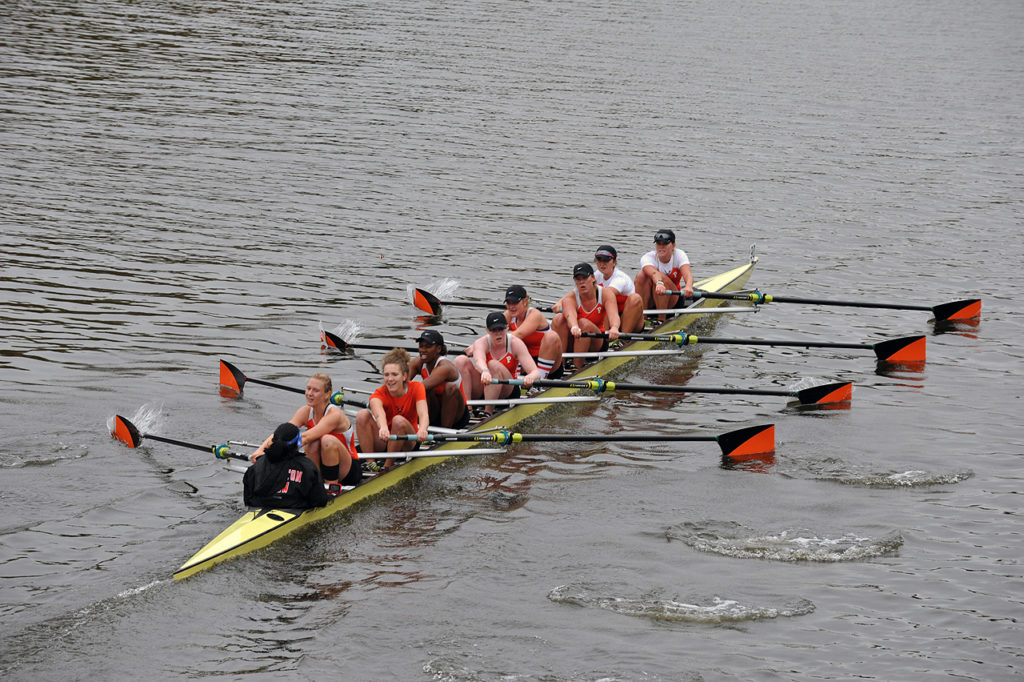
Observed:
{"x":183,"y":183}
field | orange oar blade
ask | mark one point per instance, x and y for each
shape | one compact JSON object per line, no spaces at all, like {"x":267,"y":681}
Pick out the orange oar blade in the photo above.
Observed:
{"x":907,"y":350}
{"x":749,"y":441}
{"x":334,"y":341}
{"x":426,"y":301}
{"x":126,"y":432}
{"x":232,"y":380}
{"x":826,"y":394}
{"x":958,"y":310}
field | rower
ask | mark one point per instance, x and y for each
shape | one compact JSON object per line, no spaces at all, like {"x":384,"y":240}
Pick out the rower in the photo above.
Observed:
{"x":284,"y":478}
{"x":664,"y":269}
{"x":399,"y":407}
{"x":446,"y":401}
{"x":498,"y":355}
{"x":607,"y":273}
{"x":587,"y":308}
{"x":530,"y":325}
{"x":329,"y":439}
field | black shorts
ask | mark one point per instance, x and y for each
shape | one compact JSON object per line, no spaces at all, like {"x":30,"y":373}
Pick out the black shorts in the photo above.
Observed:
{"x":355,"y":473}
{"x":462,"y":421}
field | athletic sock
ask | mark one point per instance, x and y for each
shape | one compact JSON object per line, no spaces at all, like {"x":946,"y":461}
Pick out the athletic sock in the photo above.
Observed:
{"x":544,"y":366}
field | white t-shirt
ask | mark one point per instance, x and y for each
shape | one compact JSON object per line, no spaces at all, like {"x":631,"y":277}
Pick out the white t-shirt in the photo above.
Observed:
{"x":677,"y":261}
{"x":619,"y":281}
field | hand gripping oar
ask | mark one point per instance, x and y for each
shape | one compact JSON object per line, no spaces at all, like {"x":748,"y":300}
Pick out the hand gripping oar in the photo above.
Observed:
{"x":815,"y":395}
{"x":748,"y":441}
{"x":129,"y":434}
{"x":428,"y":303}
{"x":955,"y":310}
{"x":908,"y":349}
{"x":234,"y":380}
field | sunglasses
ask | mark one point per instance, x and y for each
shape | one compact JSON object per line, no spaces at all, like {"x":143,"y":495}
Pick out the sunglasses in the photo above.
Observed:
{"x":662,"y":242}
{"x":603,"y":259}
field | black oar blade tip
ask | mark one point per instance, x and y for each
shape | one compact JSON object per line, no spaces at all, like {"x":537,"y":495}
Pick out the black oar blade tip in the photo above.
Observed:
{"x":908,"y":350}
{"x":232,"y":380}
{"x":967,"y":309}
{"x":754,"y":440}
{"x":426,"y":301}
{"x":126,"y":432}
{"x":827,"y":394}
{"x":332,"y":340}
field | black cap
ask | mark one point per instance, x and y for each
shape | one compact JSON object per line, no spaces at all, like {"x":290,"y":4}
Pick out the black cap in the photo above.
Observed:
{"x":496,"y":321}
{"x":515,"y":294}
{"x":585,"y":269}
{"x":431,"y":338}
{"x":665,"y":236}
{"x":606,"y":251}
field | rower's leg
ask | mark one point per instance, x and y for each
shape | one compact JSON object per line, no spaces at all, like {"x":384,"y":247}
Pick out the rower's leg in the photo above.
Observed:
{"x":452,"y":406}
{"x":470,"y":377}
{"x":632,"y":318}
{"x":335,"y":459}
{"x":550,"y":354}
{"x":496,"y":391}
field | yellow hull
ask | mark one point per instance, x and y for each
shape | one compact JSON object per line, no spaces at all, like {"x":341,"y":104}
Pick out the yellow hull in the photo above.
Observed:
{"x":257,"y":529}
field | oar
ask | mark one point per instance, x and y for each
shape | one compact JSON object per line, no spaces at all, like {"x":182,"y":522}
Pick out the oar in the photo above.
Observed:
{"x":334,"y":341}
{"x":815,"y":395}
{"x":751,"y":440}
{"x":413,"y":454}
{"x":908,"y":349}
{"x":955,"y":310}
{"x":129,"y":434}
{"x":428,"y":303}
{"x":234,"y":379}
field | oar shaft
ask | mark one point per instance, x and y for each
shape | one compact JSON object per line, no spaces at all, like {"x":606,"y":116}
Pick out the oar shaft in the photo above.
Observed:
{"x":602,"y":385}
{"x":273,"y":385}
{"x":690,"y":339}
{"x":172,"y":441}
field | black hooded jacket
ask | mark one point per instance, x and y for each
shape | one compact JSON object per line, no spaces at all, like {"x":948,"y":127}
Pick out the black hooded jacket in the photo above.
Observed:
{"x":293,"y":483}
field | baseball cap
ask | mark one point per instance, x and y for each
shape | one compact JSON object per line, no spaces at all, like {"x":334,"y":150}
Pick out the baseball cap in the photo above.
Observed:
{"x":431,"y":338}
{"x":515,"y":293}
{"x":496,"y":321}
{"x":665,"y":236}
{"x":606,"y":251}
{"x":582,"y":269}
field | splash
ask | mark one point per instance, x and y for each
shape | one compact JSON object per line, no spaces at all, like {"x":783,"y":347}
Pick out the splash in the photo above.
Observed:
{"x":712,"y":609}
{"x":147,"y":418}
{"x":347,"y":329}
{"x":734,"y":540}
{"x":444,"y":288}
{"x":838,"y":471}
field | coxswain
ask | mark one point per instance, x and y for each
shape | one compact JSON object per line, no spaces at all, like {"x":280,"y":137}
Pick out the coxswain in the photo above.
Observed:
{"x":329,"y":439}
{"x":496,"y":355}
{"x":398,"y":407}
{"x":664,"y":269}
{"x":608,"y":274}
{"x":283,"y":477}
{"x":587,"y":308}
{"x":446,"y":401}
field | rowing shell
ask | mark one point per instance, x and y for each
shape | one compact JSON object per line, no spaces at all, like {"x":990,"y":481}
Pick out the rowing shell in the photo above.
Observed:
{"x":258,"y":528}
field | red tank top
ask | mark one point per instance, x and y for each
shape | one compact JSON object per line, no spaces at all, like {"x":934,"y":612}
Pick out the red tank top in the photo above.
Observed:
{"x":532,"y":340}
{"x":508,"y":360}
{"x":348,"y":437}
{"x":439,"y":389}
{"x":595,"y":314}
